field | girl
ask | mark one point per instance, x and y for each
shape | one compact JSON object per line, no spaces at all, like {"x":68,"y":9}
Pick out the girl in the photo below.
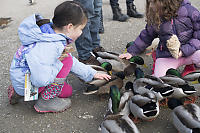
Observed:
{"x":44,"y":54}
{"x":177,"y":24}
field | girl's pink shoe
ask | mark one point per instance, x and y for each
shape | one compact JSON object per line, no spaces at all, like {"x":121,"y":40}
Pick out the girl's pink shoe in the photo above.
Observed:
{"x":13,"y":96}
{"x":188,"y":69}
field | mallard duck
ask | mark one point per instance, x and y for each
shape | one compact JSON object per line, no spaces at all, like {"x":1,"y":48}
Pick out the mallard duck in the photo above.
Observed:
{"x":4,"y":22}
{"x":128,"y":45}
{"x":97,"y":86}
{"x":186,"y":118}
{"x":117,"y":122}
{"x":193,"y":76}
{"x":118,"y":64}
{"x":156,"y":85}
{"x":123,"y":107}
{"x":144,"y":105}
{"x":180,"y":86}
{"x":104,"y":67}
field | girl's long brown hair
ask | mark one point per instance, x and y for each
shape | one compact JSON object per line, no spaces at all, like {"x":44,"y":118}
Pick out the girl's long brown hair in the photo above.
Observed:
{"x":162,"y":10}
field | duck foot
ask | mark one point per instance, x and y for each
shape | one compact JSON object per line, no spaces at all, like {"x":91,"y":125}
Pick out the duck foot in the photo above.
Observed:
{"x":150,"y":120}
{"x":134,"y":119}
{"x":163,"y":102}
{"x":191,"y":99}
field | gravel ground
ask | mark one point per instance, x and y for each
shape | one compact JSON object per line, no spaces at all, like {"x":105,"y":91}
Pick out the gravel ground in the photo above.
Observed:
{"x":86,"y":112}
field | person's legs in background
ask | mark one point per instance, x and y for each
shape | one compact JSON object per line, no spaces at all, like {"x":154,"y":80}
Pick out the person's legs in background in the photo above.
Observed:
{"x":90,"y":39}
{"x":117,"y":14}
{"x":131,"y":10}
{"x":101,"y":26}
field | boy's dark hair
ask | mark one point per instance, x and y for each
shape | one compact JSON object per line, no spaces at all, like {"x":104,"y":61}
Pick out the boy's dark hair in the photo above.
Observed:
{"x":169,"y":10}
{"x":69,"y":12}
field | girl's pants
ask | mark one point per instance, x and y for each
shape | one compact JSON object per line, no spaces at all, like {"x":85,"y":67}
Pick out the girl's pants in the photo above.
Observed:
{"x":67,"y":89}
{"x":163,"y":64}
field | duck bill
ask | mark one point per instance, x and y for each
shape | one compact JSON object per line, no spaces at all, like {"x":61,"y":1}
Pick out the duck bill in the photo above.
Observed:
{"x":195,"y":82}
{"x":110,"y":72}
{"x":145,"y":66}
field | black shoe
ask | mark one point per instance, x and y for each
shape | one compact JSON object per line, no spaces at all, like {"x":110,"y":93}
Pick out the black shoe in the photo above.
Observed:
{"x":117,"y":15}
{"x":132,"y":12}
{"x":101,"y":26}
{"x":98,"y":49}
{"x":90,"y":61}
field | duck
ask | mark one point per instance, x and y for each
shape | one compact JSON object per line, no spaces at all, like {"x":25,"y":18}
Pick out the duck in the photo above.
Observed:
{"x":118,"y":64}
{"x":117,"y":122}
{"x":154,"y":84}
{"x":105,"y":67}
{"x":186,"y":118}
{"x":193,"y":77}
{"x":128,"y":45}
{"x":4,"y":22}
{"x":180,"y":86}
{"x":101,"y":86}
{"x":143,"y":105}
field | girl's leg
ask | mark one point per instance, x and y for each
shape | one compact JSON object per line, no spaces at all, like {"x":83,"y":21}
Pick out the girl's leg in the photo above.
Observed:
{"x":67,"y":89}
{"x":163,"y":64}
{"x":55,"y":89}
{"x":193,"y":59}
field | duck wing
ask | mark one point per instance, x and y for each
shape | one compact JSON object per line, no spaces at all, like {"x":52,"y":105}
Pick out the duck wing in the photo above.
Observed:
{"x":105,"y":88}
{"x":98,"y":68}
{"x":173,"y":80}
{"x":186,"y":117}
{"x":118,"y":124}
{"x":192,"y":76}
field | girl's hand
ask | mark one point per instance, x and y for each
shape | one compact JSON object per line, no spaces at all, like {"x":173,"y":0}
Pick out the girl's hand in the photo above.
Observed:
{"x":180,"y":54}
{"x":102,"y":76}
{"x":126,"y":55}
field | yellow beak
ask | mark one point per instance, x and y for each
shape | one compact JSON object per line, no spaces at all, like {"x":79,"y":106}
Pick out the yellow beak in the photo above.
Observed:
{"x":195,"y":82}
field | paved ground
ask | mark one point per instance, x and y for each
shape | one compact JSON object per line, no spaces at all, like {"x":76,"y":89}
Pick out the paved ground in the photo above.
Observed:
{"x":86,"y":112}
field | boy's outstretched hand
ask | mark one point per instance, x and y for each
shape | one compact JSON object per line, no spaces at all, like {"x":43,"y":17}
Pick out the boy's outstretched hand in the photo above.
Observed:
{"x":102,"y":76}
{"x":126,"y":56}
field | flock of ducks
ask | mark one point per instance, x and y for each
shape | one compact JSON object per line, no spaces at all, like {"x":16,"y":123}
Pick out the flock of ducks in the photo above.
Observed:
{"x":143,"y":96}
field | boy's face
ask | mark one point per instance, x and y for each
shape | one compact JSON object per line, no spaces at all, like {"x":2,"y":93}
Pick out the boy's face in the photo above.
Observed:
{"x":75,"y":31}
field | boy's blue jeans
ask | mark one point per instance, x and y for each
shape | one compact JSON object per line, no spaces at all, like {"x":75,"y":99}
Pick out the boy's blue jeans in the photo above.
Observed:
{"x":115,"y":3}
{"x":90,"y":38}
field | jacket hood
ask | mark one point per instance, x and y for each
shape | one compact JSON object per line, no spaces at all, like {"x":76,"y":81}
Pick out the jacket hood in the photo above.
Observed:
{"x":29,"y":32}
{"x":185,"y":2}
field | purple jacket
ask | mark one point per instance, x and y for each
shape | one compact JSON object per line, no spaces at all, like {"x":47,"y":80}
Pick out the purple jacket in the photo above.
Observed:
{"x":186,"y":26}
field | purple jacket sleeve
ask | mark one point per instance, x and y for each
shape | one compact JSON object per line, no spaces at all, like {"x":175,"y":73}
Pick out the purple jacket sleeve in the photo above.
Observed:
{"x":143,"y":40}
{"x":194,"y":43}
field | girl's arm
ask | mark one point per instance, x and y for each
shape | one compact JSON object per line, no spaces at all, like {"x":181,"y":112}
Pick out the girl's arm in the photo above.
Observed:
{"x":85,"y":72}
{"x":43,"y":63}
{"x":194,"y":43}
{"x":143,"y":40}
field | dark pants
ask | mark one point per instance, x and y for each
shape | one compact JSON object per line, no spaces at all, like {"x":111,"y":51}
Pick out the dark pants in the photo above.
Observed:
{"x":90,"y":38}
{"x":115,"y":3}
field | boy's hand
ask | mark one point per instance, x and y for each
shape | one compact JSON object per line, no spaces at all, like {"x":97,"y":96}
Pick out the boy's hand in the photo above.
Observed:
{"x":102,"y":76}
{"x":126,"y":56}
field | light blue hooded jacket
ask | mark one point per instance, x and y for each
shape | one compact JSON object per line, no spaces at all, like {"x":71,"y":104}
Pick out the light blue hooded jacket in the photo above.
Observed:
{"x":38,"y":54}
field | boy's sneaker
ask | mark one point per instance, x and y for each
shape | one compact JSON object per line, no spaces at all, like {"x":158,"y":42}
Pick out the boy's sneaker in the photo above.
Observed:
{"x":52,"y":105}
{"x":91,"y":89}
{"x":188,"y":69}
{"x":90,"y":61}
{"x":13,"y":96}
